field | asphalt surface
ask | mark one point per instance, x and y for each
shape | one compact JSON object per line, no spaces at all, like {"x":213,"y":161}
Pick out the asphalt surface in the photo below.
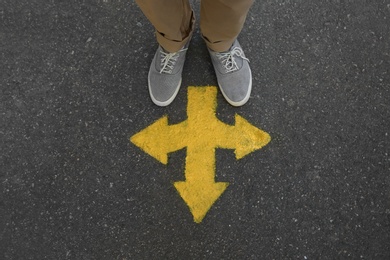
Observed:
{"x":73,"y":78}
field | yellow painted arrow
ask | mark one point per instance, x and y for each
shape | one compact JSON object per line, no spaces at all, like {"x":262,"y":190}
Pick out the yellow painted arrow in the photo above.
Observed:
{"x":201,"y":133}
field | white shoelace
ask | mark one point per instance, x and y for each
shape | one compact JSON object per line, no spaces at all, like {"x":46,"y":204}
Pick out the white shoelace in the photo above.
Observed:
{"x":168,"y":61}
{"x":228,"y":60}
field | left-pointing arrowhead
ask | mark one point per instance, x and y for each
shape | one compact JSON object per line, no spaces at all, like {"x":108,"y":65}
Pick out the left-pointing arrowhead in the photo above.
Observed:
{"x":159,"y":139}
{"x":250,"y":137}
{"x":200,"y":196}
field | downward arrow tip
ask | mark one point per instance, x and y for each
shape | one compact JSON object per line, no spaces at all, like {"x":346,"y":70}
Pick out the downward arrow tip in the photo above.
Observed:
{"x":200,"y":196}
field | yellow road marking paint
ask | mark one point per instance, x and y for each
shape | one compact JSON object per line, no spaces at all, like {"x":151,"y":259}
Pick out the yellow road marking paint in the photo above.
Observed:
{"x":201,"y":133}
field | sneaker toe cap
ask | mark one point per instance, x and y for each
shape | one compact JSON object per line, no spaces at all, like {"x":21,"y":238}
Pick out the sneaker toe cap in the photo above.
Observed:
{"x":236,"y":87}
{"x":163,"y":90}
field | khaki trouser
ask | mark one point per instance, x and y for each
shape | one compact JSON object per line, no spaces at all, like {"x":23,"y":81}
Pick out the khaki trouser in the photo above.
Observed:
{"x":220,"y":21}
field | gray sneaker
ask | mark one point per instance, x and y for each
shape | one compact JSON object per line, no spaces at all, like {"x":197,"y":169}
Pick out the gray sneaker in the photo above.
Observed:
{"x":233,"y":74}
{"x":164,"y":77}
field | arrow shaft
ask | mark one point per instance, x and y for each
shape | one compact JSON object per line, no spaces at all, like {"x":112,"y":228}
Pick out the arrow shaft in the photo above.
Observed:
{"x":200,"y":190}
{"x":200,"y":164}
{"x":174,"y":137}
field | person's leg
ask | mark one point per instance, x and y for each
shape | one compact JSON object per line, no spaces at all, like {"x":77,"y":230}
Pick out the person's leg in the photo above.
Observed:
{"x":172,"y":19}
{"x":174,"y":22}
{"x":221,"y":21}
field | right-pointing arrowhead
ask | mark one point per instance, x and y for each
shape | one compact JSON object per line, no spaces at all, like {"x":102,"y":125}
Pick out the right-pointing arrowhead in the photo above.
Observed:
{"x":251,"y":138}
